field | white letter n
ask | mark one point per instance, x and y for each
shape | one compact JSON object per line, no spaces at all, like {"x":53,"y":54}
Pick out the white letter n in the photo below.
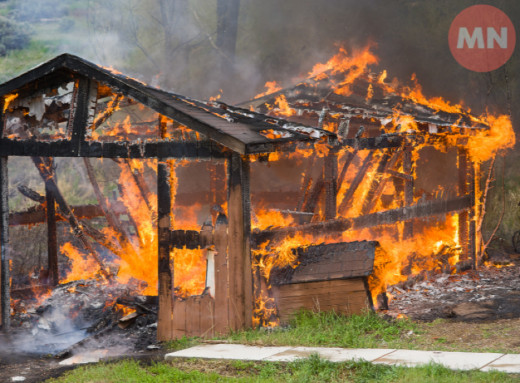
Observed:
{"x":493,"y":36}
{"x":470,"y":40}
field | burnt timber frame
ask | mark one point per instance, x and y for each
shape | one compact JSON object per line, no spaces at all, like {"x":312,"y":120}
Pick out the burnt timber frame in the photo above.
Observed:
{"x":232,"y":141}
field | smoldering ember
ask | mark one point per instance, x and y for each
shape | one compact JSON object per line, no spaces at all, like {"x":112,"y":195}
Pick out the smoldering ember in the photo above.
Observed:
{"x":145,"y":216}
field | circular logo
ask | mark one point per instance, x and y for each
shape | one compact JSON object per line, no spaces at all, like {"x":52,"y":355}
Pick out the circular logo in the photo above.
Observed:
{"x":482,"y":38}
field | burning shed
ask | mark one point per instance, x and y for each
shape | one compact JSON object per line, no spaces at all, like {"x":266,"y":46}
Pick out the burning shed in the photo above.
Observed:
{"x":236,"y":218}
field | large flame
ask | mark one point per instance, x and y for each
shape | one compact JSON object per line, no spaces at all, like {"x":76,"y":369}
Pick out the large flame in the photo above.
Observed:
{"x":434,"y":246}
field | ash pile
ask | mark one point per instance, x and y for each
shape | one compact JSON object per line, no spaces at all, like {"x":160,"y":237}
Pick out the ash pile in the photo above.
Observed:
{"x":488,"y":293}
{"x":85,"y":315}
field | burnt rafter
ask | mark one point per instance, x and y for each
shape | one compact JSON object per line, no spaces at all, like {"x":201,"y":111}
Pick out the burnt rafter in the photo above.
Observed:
{"x":225,"y":128}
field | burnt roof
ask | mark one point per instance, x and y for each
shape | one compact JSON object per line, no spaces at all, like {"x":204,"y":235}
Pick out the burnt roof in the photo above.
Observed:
{"x":237,"y":129}
{"x":311,"y":96}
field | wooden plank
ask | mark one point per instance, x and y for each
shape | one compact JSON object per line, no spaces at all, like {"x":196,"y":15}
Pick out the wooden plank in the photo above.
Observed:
{"x":5,"y":288}
{"x":337,"y":226}
{"x":165,"y":319}
{"x":52,"y":241}
{"x":330,"y":175}
{"x":328,"y":261}
{"x":193,"y":316}
{"x":239,"y":258}
{"x":343,"y":296}
{"x":207,"y":316}
{"x":179,"y":318}
{"x":220,"y":239}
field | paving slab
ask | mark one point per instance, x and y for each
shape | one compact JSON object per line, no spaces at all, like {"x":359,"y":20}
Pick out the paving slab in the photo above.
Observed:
{"x":227,"y":351}
{"x":333,"y":354}
{"x":452,"y":360}
{"x":507,"y":363}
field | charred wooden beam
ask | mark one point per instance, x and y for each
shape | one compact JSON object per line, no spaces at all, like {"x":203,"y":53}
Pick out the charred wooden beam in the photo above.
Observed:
{"x":239,"y":254}
{"x":5,"y":278}
{"x":31,"y":194}
{"x":338,"y":226}
{"x":165,"y":320}
{"x":52,"y":240}
{"x":314,"y":196}
{"x":348,"y":160}
{"x":347,"y":198}
{"x":123,"y":149}
{"x":190,"y":239}
{"x":402,"y":176}
{"x":374,"y":195}
{"x":79,"y":116}
{"x":47,"y":176}
{"x":330,"y":175}
{"x":408,"y":190}
{"x":370,"y":198}
{"x":38,"y":214}
{"x":463,"y":188}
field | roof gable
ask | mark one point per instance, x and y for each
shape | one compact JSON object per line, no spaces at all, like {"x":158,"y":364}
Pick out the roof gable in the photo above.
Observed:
{"x":237,"y":129}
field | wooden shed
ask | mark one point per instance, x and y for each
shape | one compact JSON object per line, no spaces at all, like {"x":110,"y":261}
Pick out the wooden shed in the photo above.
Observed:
{"x":276,"y":236}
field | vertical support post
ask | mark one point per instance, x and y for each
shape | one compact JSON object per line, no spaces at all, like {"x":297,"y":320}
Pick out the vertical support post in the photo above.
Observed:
{"x":52,"y":243}
{"x":239,"y":247}
{"x":330,"y":175}
{"x":472,"y":235}
{"x":463,"y":190}
{"x":5,"y":290}
{"x":408,"y":190}
{"x":80,"y":115}
{"x":165,"y":317}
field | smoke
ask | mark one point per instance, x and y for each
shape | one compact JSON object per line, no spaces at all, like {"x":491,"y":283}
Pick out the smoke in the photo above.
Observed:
{"x":173,"y":44}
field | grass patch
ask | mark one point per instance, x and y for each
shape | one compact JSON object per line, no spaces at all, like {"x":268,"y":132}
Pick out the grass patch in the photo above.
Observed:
{"x":312,"y":369}
{"x":333,"y":330}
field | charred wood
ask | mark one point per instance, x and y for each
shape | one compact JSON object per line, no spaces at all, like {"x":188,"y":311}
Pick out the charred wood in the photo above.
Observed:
{"x":31,"y":194}
{"x":347,"y":198}
{"x":48,"y":177}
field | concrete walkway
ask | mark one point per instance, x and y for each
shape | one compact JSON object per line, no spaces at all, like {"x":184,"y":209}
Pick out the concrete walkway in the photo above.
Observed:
{"x":454,"y":360}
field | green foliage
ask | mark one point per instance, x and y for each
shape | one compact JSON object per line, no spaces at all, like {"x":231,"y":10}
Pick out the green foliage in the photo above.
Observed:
{"x":180,"y":343}
{"x":13,"y":36}
{"x":330,"y":329}
{"x":312,"y":369}
{"x":37,"y":10}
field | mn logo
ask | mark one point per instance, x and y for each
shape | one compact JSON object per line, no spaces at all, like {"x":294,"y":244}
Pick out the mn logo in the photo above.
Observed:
{"x":482,"y":38}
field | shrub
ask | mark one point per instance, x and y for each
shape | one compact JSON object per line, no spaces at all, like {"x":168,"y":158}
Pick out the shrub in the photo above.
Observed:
{"x":12,"y":36}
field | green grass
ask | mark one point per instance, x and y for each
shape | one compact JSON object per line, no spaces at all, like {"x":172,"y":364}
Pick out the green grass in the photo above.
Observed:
{"x":312,"y":369}
{"x":332,"y":330}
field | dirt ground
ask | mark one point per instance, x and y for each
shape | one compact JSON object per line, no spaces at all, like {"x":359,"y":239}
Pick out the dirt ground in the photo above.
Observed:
{"x":473,"y":311}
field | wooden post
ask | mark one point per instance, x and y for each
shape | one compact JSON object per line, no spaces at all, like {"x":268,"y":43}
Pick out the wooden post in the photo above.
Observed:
{"x":462,"y":157}
{"x":330,"y":175}
{"x":165,"y":316}
{"x":5,"y":290}
{"x":220,"y":239}
{"x":408,"y":190}
{"x":52,"y":242}
{"x":472,"y":249}
{"x":239,"y":251}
